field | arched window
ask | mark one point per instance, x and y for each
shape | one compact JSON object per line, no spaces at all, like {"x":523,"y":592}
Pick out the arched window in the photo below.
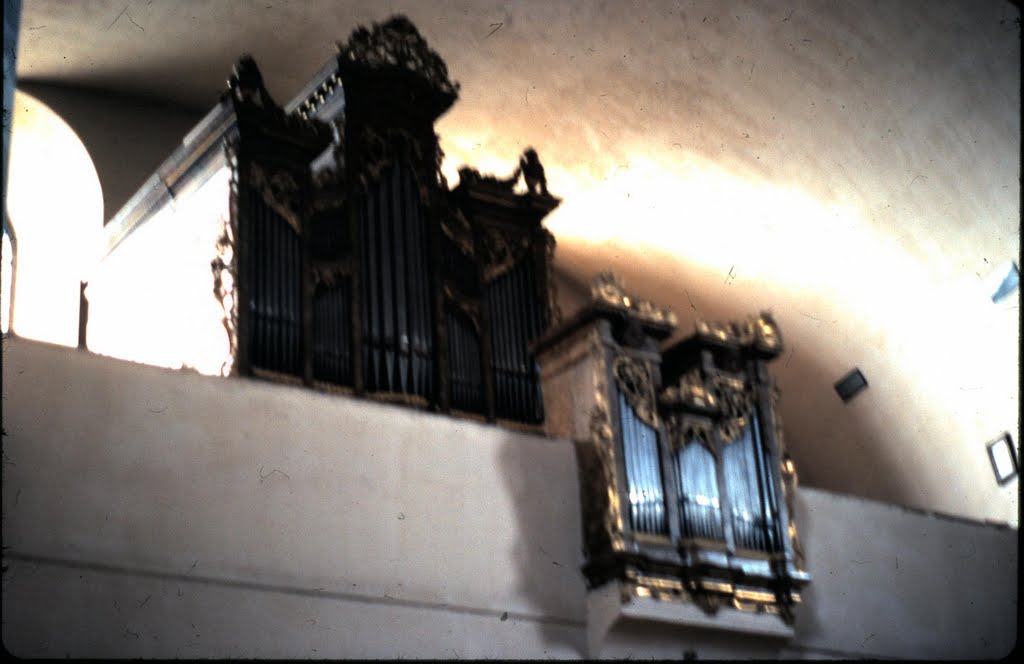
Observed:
{"x":57,"y":232}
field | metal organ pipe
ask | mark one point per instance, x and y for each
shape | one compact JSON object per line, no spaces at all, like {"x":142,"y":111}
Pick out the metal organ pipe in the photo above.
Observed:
{"x":643,"y":475}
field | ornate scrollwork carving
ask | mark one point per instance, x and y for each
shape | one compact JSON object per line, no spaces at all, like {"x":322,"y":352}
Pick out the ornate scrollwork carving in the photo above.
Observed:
{"x":608,"y":288}
{"x":790,"y":481}
{"x":602,"y":438}
{"x":736,"y":404}
{"x":457,"y":229}
{"x":501,"y":252}
{"x":280,"y":191}
{"x":683,"y":431}
{"x":462,"y":303}
{"x":225,"y":269}
{"x":554,"y":309}
{"x":634,"y":382}
{"x":397,"y":44}
{"x":380,"y":149}
{"x":691,"y":391}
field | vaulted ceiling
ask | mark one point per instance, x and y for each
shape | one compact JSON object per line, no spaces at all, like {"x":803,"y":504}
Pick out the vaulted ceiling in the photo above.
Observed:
{"x":852,"y":166}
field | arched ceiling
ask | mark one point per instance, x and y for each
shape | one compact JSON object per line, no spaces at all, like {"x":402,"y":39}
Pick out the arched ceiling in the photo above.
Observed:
{"x":852,"y":166}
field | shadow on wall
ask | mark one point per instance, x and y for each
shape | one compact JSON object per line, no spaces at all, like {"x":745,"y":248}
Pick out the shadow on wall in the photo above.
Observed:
{"x":549,"y":550}
{"x":128,"y":137}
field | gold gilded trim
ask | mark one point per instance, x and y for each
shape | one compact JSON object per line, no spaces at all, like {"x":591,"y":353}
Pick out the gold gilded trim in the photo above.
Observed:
{"x":717,"y":586}
{"x":754,"y":595}
{"x":602,"y":437}
{"x":737,"y":406}
{"x":608,"y":287}
{"x":634,"y":382}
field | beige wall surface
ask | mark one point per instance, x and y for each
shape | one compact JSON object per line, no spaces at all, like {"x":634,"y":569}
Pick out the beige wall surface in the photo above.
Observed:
{"x":150,"y":512}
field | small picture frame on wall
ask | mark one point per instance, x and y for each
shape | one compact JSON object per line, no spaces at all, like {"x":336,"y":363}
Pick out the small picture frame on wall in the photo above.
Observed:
{"x":1003,"y":457}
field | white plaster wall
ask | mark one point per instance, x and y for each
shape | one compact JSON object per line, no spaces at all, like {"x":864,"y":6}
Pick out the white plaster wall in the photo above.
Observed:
{"x":155,"y":513}
{"x":152,"y":299}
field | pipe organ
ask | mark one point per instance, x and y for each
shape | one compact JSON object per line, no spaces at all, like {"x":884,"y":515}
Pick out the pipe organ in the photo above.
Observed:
{"x":318,"y":244}
{"x":344,"y":261}
{"x":686,"y":488}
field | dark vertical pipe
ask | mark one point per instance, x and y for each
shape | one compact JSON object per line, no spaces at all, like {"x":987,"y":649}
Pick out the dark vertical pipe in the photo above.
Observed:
{"x":372,"y":298}
{"x":402,"y":295}
{"x":486,"y":333}
{"x":263,"y":304}
{"x":357,"y":303}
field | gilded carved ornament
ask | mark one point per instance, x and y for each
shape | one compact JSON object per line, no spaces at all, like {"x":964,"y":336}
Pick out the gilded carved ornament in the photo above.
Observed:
{"x":457,"y":229}
{"x":381,"y":149}
{"x":790,"y":482}
{"x":225,"y":268}
{"x":397,"y":43}
{"x":553,"y":307}
{"x":460,"y":302}
{"x":608,"y":288}
{"x":634,"y":382}
{"x":280,"y":192}
{"x":683,"y":431}
{"x":224,"y":280}
{"x":602,"y":436}
{"x":501,"y":252}
{"x":690,"y":391}
{"x":737,"y":406}
{"x":762,"y":331}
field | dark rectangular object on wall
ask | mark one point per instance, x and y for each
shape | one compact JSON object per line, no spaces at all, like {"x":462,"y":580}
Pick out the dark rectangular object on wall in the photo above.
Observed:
{"x":851,"y":385}
{"x":1003,"y":456}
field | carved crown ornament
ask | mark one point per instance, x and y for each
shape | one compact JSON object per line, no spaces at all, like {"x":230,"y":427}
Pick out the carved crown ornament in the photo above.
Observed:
{"x":397,"y":44}
{"x":247,"y":91}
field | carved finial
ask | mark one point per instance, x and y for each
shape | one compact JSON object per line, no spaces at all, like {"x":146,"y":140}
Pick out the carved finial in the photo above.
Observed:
{"x":246,"y":83}
{"x":397,"y":44}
